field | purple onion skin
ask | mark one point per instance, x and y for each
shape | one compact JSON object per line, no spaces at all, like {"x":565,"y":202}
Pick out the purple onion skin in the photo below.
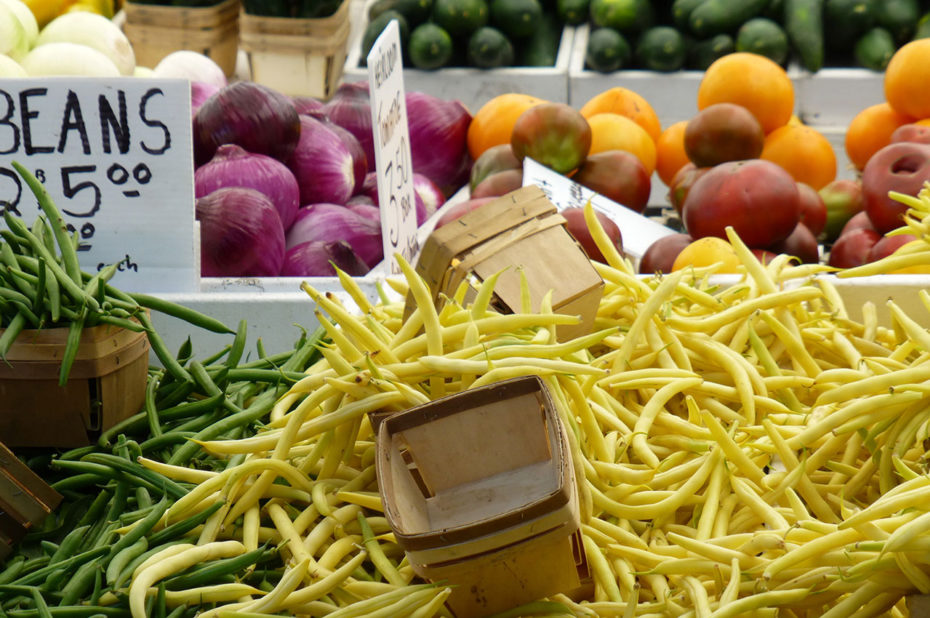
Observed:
{"x":253,"y":116}
{"x":240,"y":234}
{"x":438,"y":131}
{"x":232,"y":166}
{"x":359,"y":159}
{"x":308,"y":105}
{"x":350,"y":108}
{"x":322,"y":164}
{"x":369,"y":211}
{"x":200,"y":92}
{"x":321,"y":258}
{"x":369,"y":189}
{"x":429,"y":192}
{"x":332,"y":222}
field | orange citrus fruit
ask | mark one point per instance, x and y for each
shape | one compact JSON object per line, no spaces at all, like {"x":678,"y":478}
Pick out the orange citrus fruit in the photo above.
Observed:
{"x":753,"y":81}
{"x":706,"y":252}
{"x":616,"y":132}
{"x":493,"y":123}
{"x":907,"y":79}
{"x":670,"y":151}
{"x":803,"y":152}
{"x":870,"y":130}
{"x":923,"y":121}
{"x":627,"y":103}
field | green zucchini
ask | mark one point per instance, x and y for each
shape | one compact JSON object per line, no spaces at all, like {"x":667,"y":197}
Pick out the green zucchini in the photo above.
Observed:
{"x":804,"y":25}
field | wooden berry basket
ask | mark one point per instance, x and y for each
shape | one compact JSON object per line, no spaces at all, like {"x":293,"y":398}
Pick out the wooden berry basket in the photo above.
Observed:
{"x":156,"y":31}
{"x":480,"y":490}
{"x":106,"y":384}
{"x":296,"y":56}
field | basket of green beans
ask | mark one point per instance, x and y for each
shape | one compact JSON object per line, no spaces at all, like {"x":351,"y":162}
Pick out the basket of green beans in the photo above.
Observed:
{"x":74,"y":349}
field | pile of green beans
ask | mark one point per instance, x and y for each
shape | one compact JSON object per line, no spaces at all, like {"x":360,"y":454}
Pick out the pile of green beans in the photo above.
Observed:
{"x":43,"y":286}
{"x":80,"y":561}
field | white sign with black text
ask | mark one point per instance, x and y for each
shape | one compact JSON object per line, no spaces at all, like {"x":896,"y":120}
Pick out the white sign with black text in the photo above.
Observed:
{"x":637,"y":231}
{"x":115,"y":156}
{"x":393,"y":162}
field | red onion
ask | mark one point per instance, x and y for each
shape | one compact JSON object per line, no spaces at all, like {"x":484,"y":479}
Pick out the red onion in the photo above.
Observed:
{"x":232,"y":166}
{"x":332,"y":222}
{"x":308,"y":105}
{"x":200,"y":92}
{"x":359,"y":159}
{"x":438,"y":129}
{"x":350,"y":108}
{"x":432,"y":196}
{"x":240,"y":234}
{"x":369,"y":211}
{"x":370,"y":188}
{"x":322,"y":163}
{"x":253,"y":116}
{"x":321,"y":258}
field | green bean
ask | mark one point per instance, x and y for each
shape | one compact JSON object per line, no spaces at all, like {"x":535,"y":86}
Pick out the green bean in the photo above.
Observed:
{"x":43,"y":232}
{"x":151,"y":412}
{"x":94,"y":512}
{"x":260,"y":407}
{"x":52,"y":290}
{"x":40,"y":574}
{"x":41,"y":605}
{"x":70,"y":285}
{"x":9,"y":259}
{"x":137,"y":422}
{"x":170,"y":363}
{"x":208,"y":361}
{"x":177,"y":612}
{"x":119,"y":322}
{"x":11,"y":332}
{"x":143,"y":499}
{"x":173,"y":392}
{"x":135,"y":470}
{"x":160,"y":609}
{"x":55,"y":221}
{"x":140,"y":530}
{"x":179,"y":529}
{"x":272,"y":376}
{"x":74,"y":482}
{"x":69,"y":545}
{"x":81,"y":582}
{"x":167,"y":440}
{"x":24,"y":308}
{"x":131,"y":516}
{"x":238,"y":345}
{"x":26,"y":297}
{"x":13,"y":568}
{"x":191,"y":316}
{"x":118,"y":503}
{"x":48,"y":547}
{"x":106,"y":472}
{"x":186,"y":351}
{"x":124,"y":557}
{"x":208,"y":573}
{"x":75,"y":329}
{"x":271,"y":361}
{"x":97,"y":589}
{"x":74,"y":611}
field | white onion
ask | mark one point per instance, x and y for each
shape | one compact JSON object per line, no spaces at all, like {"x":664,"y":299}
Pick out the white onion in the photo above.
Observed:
{"x":141,"y":71}
{"x":191,"y":65}
{"x":13,"y":37}
{"x":11,"y":68}
{"x":55,"y":59}
{"x":92,"y":30}
{"x":26,"y":18}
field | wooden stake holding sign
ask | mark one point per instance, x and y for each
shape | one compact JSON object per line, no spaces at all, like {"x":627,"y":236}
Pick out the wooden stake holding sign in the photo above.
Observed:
{"x":393,"y":161}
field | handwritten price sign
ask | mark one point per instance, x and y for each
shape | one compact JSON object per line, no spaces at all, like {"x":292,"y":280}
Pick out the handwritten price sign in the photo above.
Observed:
{"x":392,"y":148}
{"x":115,"y":156}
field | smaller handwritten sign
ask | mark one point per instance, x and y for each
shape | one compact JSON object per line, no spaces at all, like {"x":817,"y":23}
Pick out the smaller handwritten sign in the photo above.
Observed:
{"x":393,"y":162}
{"x":115,"y":156}
{"x":638,"y":232}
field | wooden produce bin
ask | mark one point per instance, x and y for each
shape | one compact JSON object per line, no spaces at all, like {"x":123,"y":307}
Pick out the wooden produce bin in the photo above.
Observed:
{"x":156,"y":31}
{"x":480,"y":491}
{"x":518,"y":232}
{"x":296,"y":56}
{"x":106,"y":384}
{"x":25,"y":500}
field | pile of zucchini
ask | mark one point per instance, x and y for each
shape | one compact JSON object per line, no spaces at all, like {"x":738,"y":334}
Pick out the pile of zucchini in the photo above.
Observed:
{"x":670,"y":35}
{"x":484,"y":34}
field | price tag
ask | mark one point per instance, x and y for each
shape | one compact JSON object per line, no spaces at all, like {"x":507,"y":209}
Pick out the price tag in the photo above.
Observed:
{"x":393,"y":162}
{"x":115,"y":156}
{"x":638,"y":232}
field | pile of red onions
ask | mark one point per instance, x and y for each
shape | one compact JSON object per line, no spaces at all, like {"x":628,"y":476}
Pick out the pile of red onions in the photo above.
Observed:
{"x":286,"y":187}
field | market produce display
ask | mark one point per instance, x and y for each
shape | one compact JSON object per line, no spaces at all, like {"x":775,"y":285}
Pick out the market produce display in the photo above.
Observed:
{"x":474,"y":33}
{"x":691,"y":34}
{"x":287,"y":187}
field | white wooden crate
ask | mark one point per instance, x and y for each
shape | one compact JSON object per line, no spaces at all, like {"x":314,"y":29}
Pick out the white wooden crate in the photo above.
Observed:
{"x":473,"y":87}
